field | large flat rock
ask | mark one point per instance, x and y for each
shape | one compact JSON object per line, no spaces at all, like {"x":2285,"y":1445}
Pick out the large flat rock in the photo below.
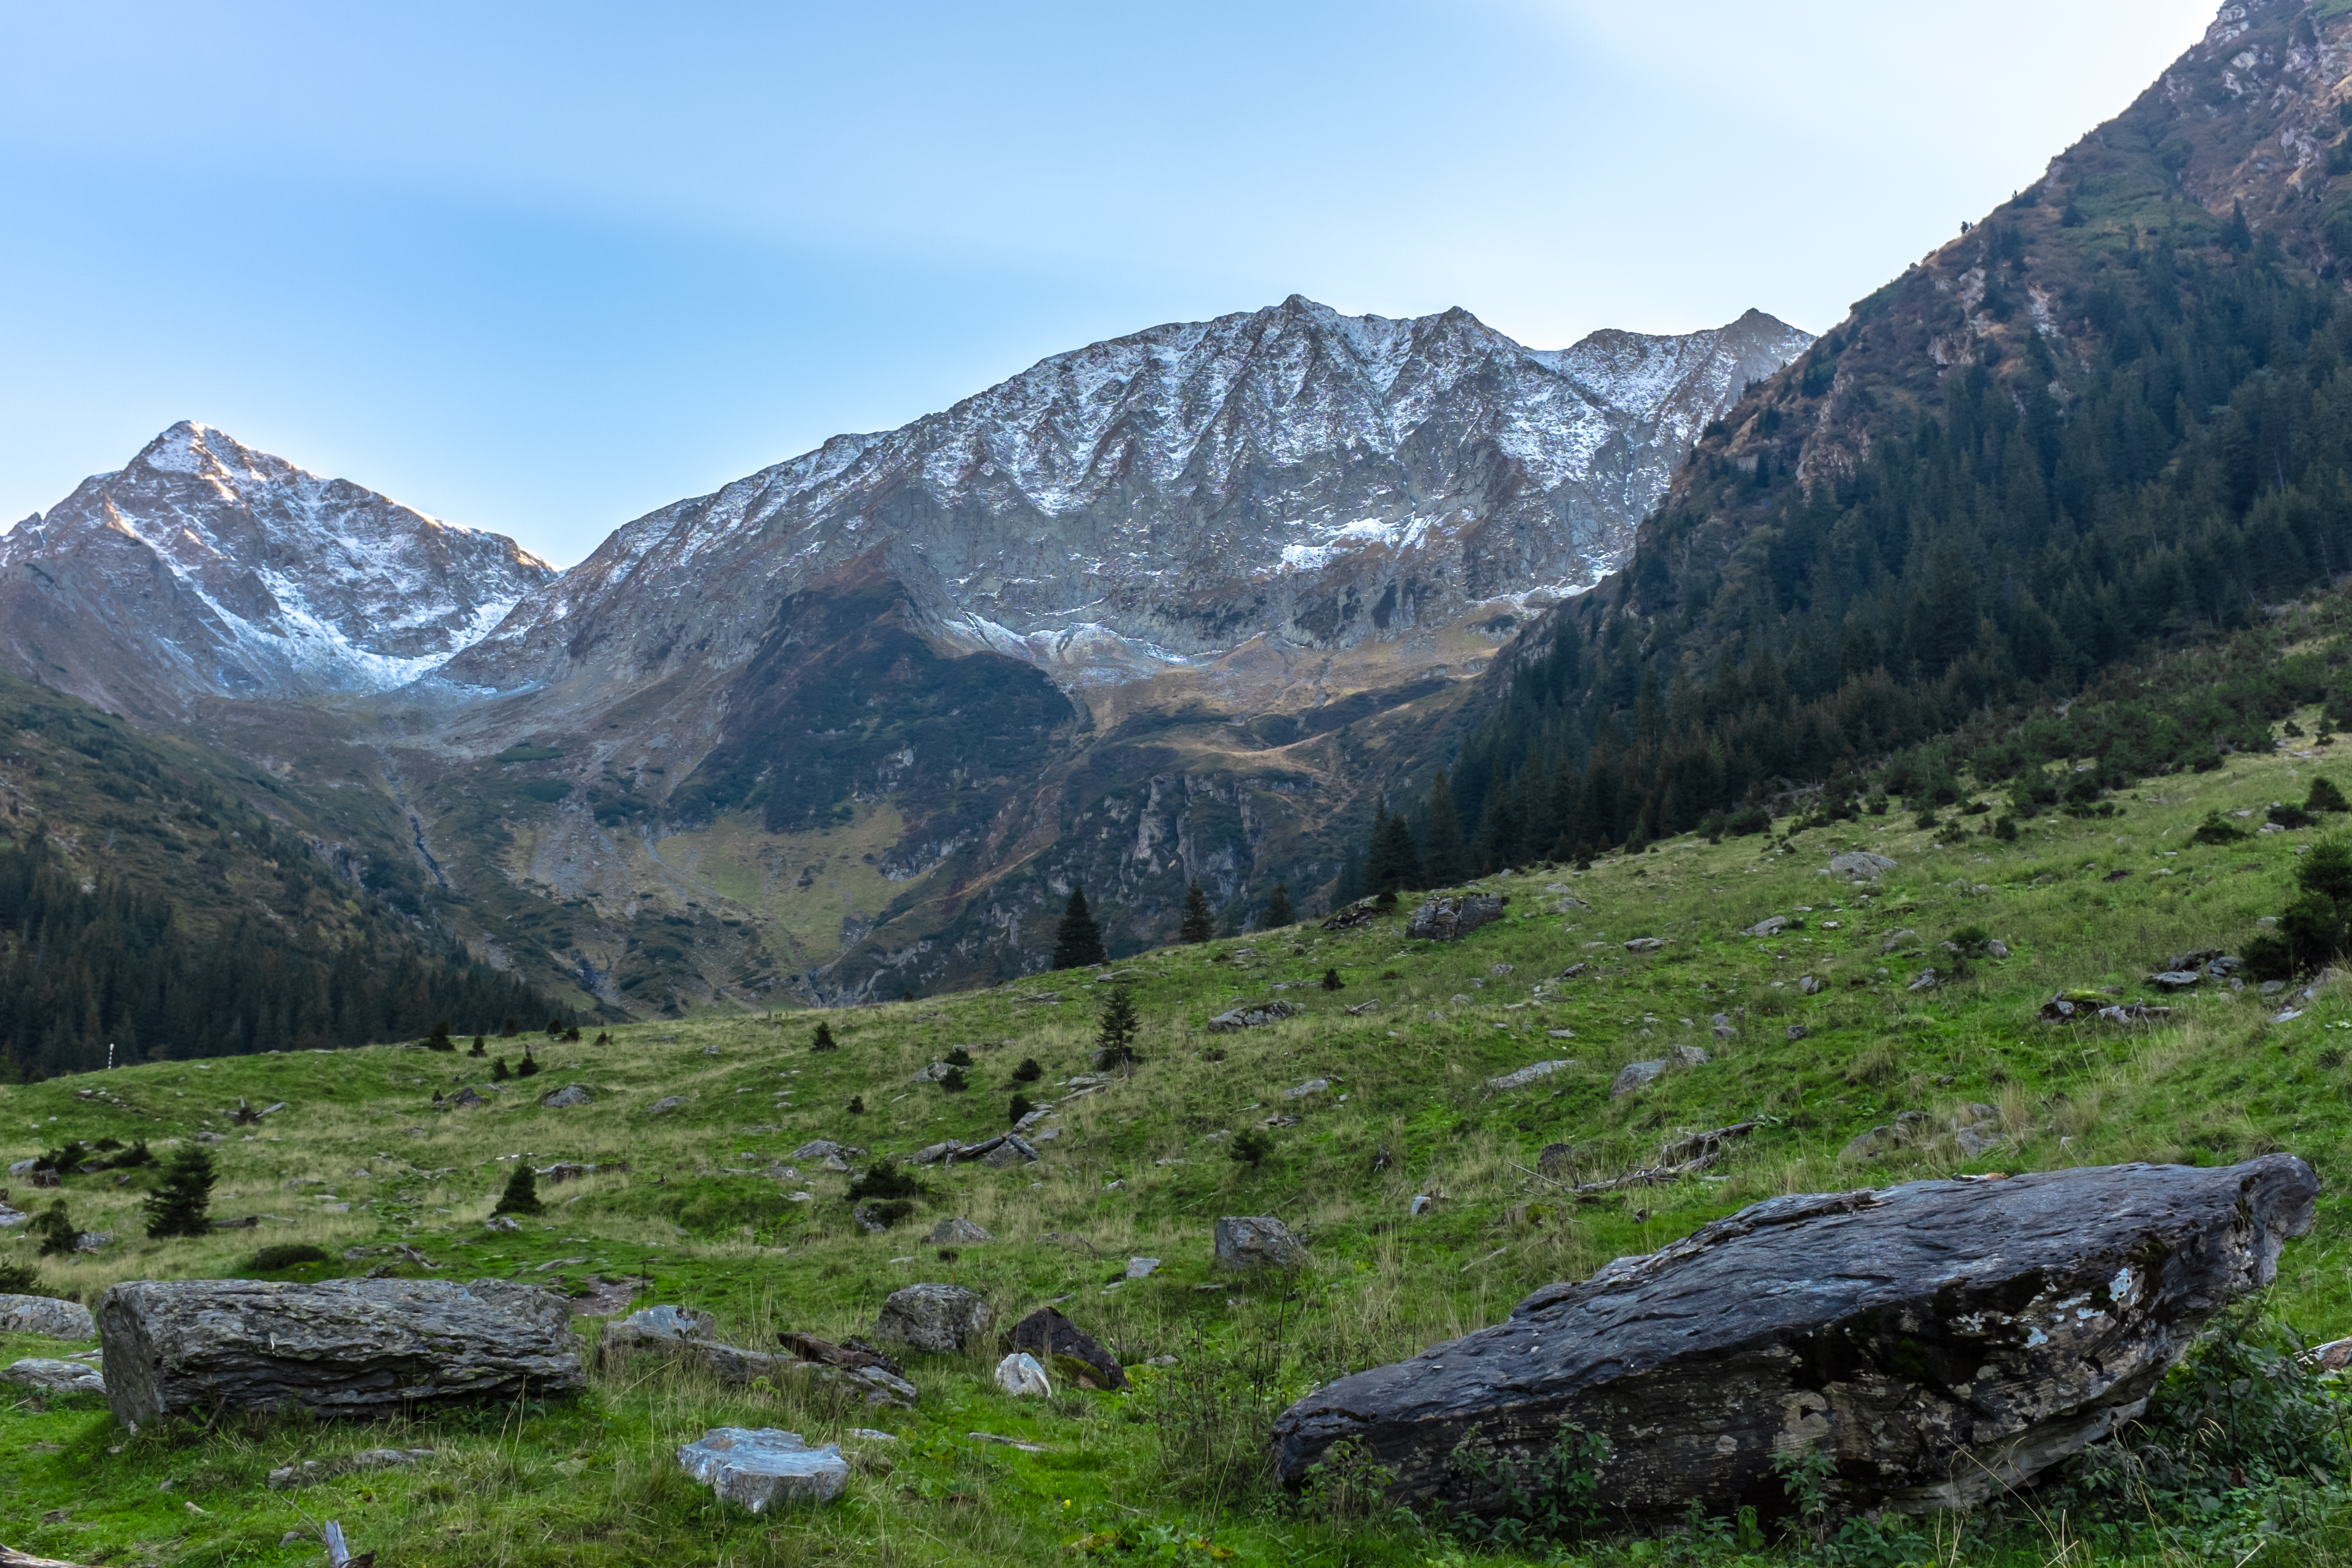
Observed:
{"x":759,"y":1469}
{"x":343,"y":1347}
{"x":1940,"y":1340}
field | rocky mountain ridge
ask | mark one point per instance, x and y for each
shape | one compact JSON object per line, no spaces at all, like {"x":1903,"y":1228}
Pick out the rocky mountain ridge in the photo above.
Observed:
{"x":203,"y":569}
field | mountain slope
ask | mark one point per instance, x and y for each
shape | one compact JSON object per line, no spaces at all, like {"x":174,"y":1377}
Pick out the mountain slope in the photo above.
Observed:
{"x":2110,"y":420}
{"x":206,"y":570}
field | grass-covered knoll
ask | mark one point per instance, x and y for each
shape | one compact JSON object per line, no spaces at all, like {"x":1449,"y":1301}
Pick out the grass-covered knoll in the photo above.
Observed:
{"x":1141,"y":1166}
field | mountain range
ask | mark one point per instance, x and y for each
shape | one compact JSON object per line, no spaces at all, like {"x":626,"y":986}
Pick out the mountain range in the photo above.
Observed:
{"x":855,"y":723}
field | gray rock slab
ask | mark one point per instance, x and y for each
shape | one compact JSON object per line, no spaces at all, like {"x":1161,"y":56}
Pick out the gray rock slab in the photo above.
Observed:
{"x":958,"y":1232}
{"x":342,"y":1347}
{"x":1446,"y":919}
{"x":1530,"y":1074}
{"x":1257,"y":1015}
{"x":570,"y":1094}
{"x":54,"y":1376}
{"x":46,"y":1315}
{"x":1941,"y":1339}
{"x":764,"y":1468}
{"x":1636,"y":1075}
{"x":1860,"y":863}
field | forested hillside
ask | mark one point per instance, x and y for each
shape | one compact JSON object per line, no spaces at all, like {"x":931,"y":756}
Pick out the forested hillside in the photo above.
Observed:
{"x":147,"y":905}
{"x":2110,"y":425}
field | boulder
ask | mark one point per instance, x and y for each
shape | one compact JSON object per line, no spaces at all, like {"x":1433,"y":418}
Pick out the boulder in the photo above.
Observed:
{"x":1312,"y":1086}
{"x":683,"y":1336}
{"x":1257,"y":1242}
{"x":1809,"y":984}
{"x":46,"y":1315}
{"x":1905,"y":937}
{"x":1938,"y":1342}
{"x":1645,"y":945}
{"x":1530,"y":1074}
{"x":1255,"y":1016}
{"x":667,"y":1103}
{"x":1861,"y":864}
{"x":934,"y":1317}
{"x":1770,"y":925}
{"x":342,"y":1347}
{"x":54,"y":1376}
{"x":1364,"y":911}
{"x":1446,"y":919}
{"x":465,"y":1097}
{"x":822,"y":1149}
{"x":958,"y":1232}
{"x":2175,"y":979}
{"x":570,"y":1094}
{"x":1021,"y":1375}
{"x":1636,"y":1075}
{"x":760,"y":1469}
{"x":1046,"y":1334}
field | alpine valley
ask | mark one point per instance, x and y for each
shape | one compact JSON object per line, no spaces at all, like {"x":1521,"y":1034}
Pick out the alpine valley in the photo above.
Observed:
{"x":1159,"y":610}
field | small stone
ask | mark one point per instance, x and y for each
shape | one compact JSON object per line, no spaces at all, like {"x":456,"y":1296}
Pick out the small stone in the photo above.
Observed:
{"x":1926,"y":980}
{"x":958,"y":1232}
{"x":1897,"y":940}
{"x":1254,"y":1017}
{"x":1143,"y":1267}
{"x":1067,"y":1349}
{"x":570,"y":1094}
{"x":821,"y":1149}
{"x":1021,"y":1375}
{"x":667,"y":1103}
{"x":1312,"y":1086}
{"x":1809,"y":984}
{"x":1691,"y":1056}
{"x":758,"y":1470}
{"x":1645,"y":945}
{"x":1770,"y":925}
{"x":502,"y":1222}
{"x":1798,"y":1032}
{"x":1860,"y":863}
{"x":1451,"y":919}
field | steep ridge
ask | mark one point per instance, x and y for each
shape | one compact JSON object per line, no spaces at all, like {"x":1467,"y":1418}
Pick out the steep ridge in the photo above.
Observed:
{"x":206,"y":570}
{"x":2106,"y":421}
{"x":1160,"y":499}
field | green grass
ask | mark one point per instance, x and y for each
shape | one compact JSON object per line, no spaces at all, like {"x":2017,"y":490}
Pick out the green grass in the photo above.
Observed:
{"x":590,"y":1480}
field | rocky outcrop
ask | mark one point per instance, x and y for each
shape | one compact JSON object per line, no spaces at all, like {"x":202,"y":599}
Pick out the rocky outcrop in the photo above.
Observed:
{"x":688,"y":1338}
{"x":1255,"y":1016}
{"x":343,"y":1347}
{"x":54,"y":1376}
{"x":1445,"y":920}
{"x":759,"y":1469}
{"x":1936,"y":1341}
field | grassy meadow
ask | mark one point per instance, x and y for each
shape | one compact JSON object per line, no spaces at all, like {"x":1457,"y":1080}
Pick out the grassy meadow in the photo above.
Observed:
{"x":359,"y":1164}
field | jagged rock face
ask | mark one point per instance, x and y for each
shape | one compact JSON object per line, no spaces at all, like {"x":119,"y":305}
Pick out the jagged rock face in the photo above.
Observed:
{"x":1139,"y":503}
{"x":1938,"y":1341}
{"x":206,"y":569}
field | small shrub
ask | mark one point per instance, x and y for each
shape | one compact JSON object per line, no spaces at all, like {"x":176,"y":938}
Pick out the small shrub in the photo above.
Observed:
{"x":555,"y":1028}
{"x":439,"y":1040}
{"x":508,"y":1028}
{"x":2289,"y":815}
{"x":55,"y":1231}
{"x":888,"y":1179}
{"x":481,"y":1048}
{"x":179,"y":1206}
{"x":2213,"y":830}
{"x":572,"y":1035}
{"x":1331,"y":981}
{"x":888,"y":1213}
{"x":603,"y":1037}
{"x":959,"y":1058}
{"x":20,"y":1279}
{"x":1250,"y":1147}
{"x":1020,"y":1106}
{"x":1927,"y":819}
{"x":1552,"y":1495}
{"x":954,"y":1082}
{"x":2324,"y":797}
{"x":823,"y":1039}
{"x":521,"y":1195}
{"x":499,"y":1073}
{"x":286,"y":1255}
{"x":2004,"y":828}
{"x":856,"y":1105}
{"x":528,"y":1066}
{"x":1028,"y":1071}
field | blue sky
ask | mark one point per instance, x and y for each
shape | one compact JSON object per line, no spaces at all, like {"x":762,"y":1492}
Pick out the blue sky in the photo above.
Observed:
{"x":542,"y":269}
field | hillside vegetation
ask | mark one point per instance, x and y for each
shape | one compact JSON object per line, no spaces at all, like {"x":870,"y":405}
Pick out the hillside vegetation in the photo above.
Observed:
{"x":362,"y":1165}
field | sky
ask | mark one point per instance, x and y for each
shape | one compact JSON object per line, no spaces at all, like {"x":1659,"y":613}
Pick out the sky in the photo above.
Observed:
{"x":542,"y":269}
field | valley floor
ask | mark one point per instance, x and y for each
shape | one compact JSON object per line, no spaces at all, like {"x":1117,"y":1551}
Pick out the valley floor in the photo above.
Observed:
{"x":709,"y":1213}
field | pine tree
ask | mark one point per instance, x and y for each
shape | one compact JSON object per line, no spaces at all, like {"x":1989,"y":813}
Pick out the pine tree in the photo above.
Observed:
{"x":1442,"y":850}
{"x":2326,"y":796}
{"x":1394,"y":864}
{"x":178,"y":1207}
{"x":1278,"y":912}
{"x":439,"y":1040}
{"x":823,"y":1039}
{"x":480,"y":1047}
{"x":1350,"y":886}
{"x":530,"y":1064}
{"x":521,"y":1195}
{"x":1115,"y":1043}
{"x":1199,"y":924}
{"x":499,"y":1073}
{"x":1077,"y":941}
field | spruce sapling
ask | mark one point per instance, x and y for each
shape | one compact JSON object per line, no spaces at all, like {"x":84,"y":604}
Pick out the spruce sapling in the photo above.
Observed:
{"x":521,"y":1195}
{"x":178,"y":1207}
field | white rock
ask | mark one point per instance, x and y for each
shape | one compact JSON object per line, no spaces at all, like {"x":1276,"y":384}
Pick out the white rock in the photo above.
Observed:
{"x":1528,"y":1074}
{"x":54,"y":1376}
{"x":758,"y":1470}
{"x":1020,"y":1375}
